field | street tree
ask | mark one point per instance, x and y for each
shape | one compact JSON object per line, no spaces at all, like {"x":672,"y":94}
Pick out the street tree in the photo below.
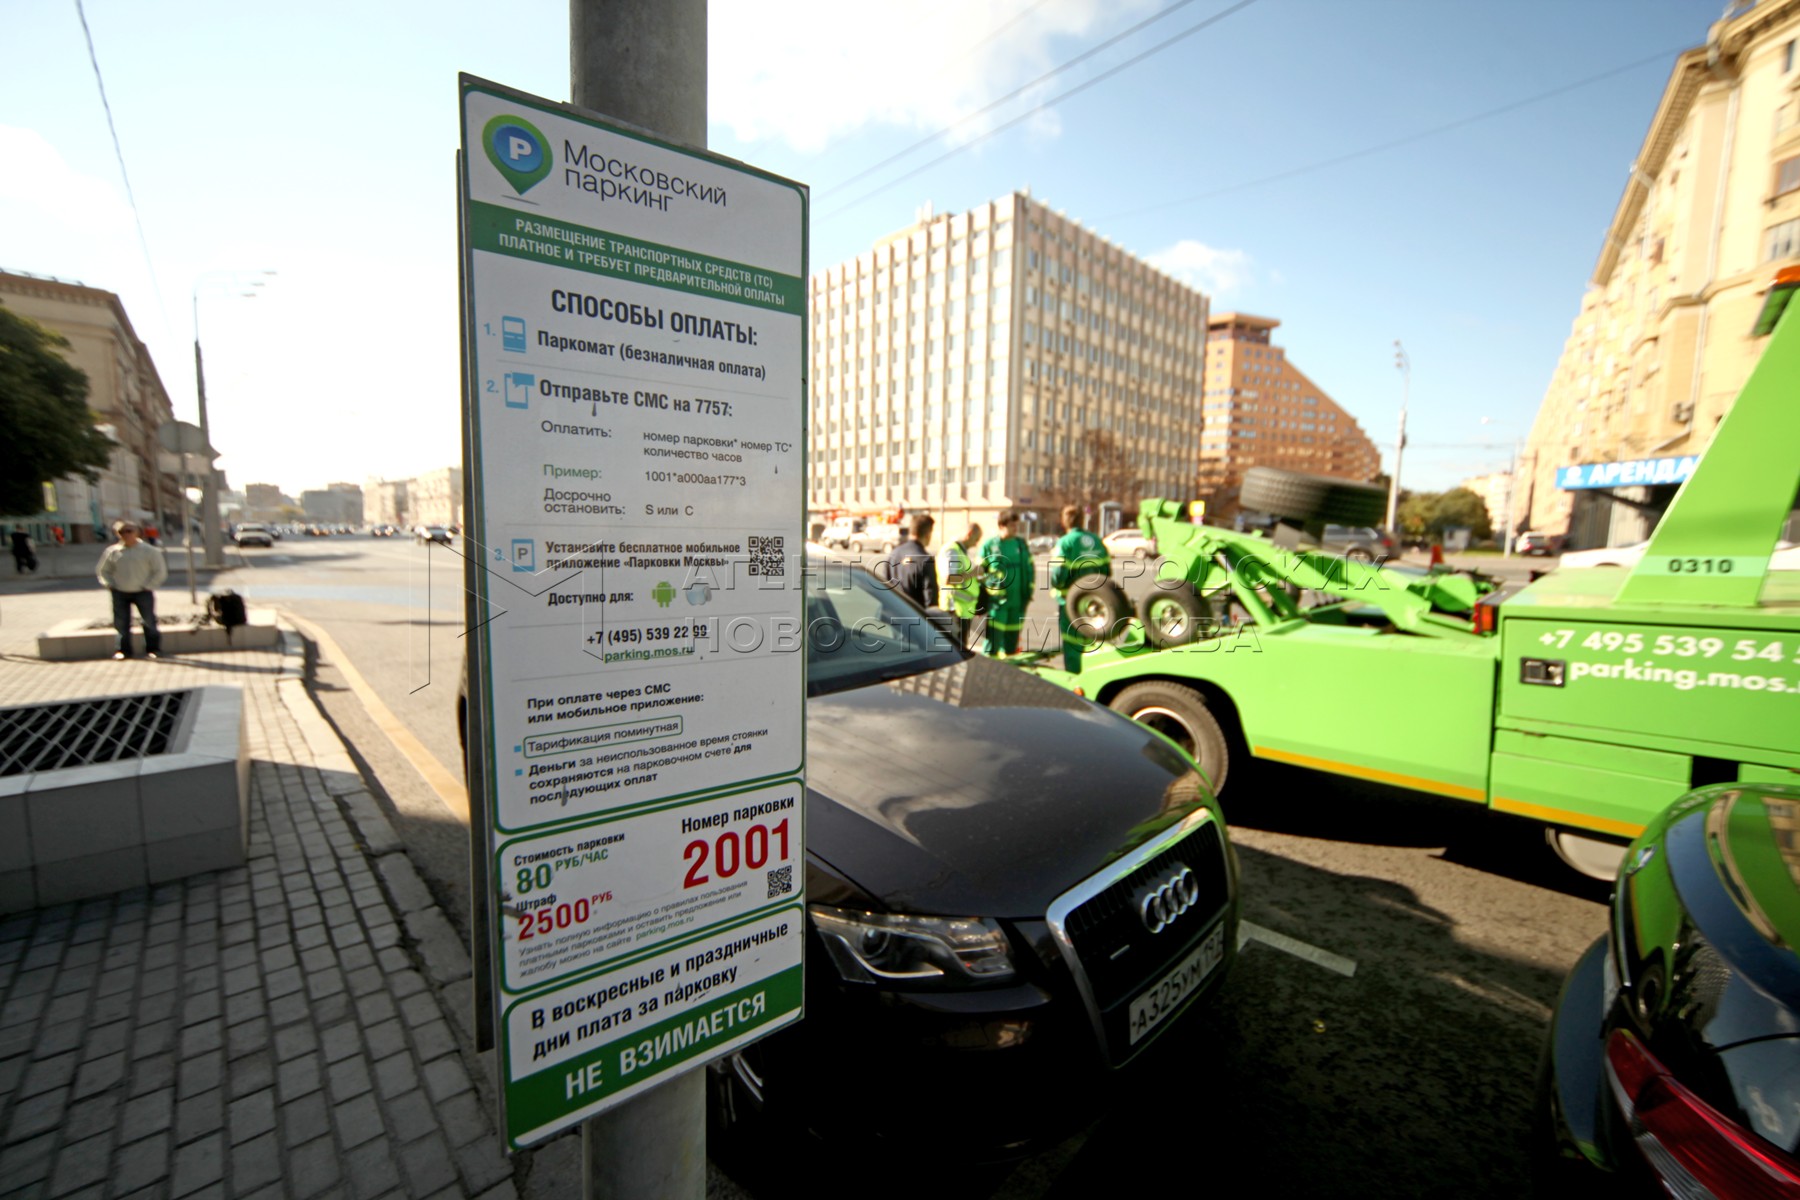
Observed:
{"x":46,"y":428}
{"x":1430,"y":514}
{"x":1100,"y":470}
{"x":1461,"y":508}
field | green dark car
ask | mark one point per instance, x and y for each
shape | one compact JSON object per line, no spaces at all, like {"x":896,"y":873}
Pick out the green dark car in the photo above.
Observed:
{"x":1673,"y":1062}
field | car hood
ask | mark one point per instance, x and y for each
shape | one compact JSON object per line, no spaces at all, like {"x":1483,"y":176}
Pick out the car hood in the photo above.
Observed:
{"x":980,"y":790}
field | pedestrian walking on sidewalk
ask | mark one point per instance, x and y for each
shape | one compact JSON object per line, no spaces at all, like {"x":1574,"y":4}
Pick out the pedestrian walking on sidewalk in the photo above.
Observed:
{"x":24,"y":557}
{"x":131,"y":568}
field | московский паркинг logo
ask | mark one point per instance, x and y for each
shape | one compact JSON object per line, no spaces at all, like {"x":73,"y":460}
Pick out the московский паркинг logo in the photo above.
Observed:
{"x":517,"y":150}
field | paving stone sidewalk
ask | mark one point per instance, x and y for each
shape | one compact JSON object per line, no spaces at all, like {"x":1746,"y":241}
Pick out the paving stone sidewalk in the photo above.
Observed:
{"x":293,"y":1027}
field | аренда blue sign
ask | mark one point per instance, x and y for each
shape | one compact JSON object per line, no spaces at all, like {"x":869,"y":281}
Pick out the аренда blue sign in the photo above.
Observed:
{"x":1637,"y":473}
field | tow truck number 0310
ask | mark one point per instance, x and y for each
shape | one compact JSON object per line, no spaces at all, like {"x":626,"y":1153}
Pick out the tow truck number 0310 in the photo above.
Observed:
{"x":730,"y":853}
{"x":1670,"y":645}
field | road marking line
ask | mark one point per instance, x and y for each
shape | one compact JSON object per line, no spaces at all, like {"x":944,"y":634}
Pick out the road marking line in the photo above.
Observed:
{"x":450,"y":791}
{"x":1248,"y":932}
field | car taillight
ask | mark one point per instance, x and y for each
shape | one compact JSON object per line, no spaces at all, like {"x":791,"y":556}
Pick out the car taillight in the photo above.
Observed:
{"x":1693,"y":1148}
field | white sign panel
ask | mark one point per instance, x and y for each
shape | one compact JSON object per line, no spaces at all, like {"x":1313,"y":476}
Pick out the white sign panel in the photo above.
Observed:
{"x":636,"y":329}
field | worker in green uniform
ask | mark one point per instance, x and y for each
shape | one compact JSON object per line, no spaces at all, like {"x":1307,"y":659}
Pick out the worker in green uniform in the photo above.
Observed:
{"x":1078,"y":555}
{"x":1008,"y":584}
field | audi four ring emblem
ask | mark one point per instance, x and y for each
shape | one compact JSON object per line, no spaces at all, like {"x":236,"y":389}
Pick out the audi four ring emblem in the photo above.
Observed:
{"x":1168,"y":900}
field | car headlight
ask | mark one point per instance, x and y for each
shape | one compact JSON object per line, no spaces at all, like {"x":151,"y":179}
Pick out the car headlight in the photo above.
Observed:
{"x":895,"y":948}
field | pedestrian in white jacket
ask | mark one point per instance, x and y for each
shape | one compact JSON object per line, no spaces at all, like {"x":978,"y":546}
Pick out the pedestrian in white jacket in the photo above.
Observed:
{"x":131,"y":568}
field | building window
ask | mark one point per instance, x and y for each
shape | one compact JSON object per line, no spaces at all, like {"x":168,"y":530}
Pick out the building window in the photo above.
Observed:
{"x":1787,"y":176}
{"x":1782,"y":241}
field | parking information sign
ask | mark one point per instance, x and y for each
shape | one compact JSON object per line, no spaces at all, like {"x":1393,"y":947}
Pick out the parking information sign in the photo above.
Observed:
{"x":636,"y":347}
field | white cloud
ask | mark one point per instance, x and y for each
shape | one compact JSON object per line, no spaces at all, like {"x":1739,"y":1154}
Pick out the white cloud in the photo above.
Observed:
{"x":42,"y":188}
{"x":1215,"y":272}
{"x":825,"y":69}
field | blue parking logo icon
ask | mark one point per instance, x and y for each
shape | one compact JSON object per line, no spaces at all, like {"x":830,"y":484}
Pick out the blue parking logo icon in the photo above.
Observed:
{"x":524,"y":556}
{"x":516,"y":148}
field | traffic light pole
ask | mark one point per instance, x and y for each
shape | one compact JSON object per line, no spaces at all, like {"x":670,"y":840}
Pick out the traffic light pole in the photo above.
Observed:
{"x":643,"y":62}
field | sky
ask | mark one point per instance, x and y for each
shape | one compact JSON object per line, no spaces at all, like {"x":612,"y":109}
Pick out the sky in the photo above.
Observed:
{"x":1365,"y":171}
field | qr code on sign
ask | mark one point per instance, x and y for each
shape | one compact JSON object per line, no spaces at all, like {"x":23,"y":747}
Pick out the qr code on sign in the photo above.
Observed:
{"x":768,"y":555}
{"x":781,"y":881}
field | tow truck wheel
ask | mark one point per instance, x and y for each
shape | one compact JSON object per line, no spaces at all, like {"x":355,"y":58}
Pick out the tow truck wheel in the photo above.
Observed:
{"x":1179,"y":714}
{"x":1097,"y":608}
{"x":1597,"y":858}
{"x":1174,"y":616}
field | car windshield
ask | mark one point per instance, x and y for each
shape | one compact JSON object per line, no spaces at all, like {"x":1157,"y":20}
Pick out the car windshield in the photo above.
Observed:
{"x":860,"y":631}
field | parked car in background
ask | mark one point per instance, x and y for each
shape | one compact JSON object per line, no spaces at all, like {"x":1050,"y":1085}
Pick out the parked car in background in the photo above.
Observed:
{"x":1673,"y":1062}
{"x":432,"y":533}
{"x":253,"y":534}
{"x":1539,"y":545}
{"x":1785,"y":558}
{"x":1128,"y":541}
{"x":876,"y":537}
{"x":1043,"y":543}
{"x":1357,"y":541}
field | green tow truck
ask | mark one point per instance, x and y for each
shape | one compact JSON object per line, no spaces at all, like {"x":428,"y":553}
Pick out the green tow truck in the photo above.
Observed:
{"x":1587,"y":699}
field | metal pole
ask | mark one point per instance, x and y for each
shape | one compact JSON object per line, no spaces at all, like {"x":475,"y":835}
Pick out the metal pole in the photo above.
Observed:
{"x":1512,"y":491}
{"x":209,"y":496}
{"x":187,"y":532}
{"x":1405,"y":365}
{"x":644,"y":62}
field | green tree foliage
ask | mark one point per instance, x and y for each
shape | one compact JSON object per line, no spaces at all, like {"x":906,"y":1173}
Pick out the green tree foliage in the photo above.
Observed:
{"x":1429,"y":514}
{"x":46,"y":428}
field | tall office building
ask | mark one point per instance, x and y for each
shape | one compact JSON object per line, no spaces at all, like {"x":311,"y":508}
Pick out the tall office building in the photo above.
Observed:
{"x":1005,"y":357}
{"x":1262,"y":410}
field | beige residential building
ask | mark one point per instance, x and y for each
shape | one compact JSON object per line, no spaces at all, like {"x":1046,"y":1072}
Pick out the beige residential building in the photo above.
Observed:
{"x":125,"y":393}
{"x":1262,"y":410}
{"x":1495,"y":490}
{"x":385,"y":502}
{"x":436,"y":497}
{"x":962,"y":365}
{"x":1662,"y":343}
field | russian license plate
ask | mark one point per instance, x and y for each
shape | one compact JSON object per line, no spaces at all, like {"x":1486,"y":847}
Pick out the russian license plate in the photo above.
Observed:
{"x":1167,"y":994}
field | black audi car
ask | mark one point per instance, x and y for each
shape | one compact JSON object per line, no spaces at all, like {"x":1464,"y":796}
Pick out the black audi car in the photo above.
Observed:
{"x":1673,"y":1063}
{"x":1013,"y":891}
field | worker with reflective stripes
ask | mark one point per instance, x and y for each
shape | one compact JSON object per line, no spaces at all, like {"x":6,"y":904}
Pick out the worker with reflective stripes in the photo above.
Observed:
{"x":1009,"y":583}
{"x":959,"y":581}
{"x":1078,"y":555}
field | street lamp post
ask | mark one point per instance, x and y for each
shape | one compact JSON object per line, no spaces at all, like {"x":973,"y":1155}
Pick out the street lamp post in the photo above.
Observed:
{"x":209,"y":500}
{"x":1405,"y":365}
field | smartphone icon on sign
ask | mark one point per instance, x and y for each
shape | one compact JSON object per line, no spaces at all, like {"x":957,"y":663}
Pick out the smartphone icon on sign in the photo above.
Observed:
{"x":512,"y":335}
{"x":524,"y":556}
{"x":518,"y":388}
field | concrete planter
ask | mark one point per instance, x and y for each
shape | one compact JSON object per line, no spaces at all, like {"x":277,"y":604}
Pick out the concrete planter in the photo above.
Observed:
{"x":92,"y":830}
{"x":69,"y":641}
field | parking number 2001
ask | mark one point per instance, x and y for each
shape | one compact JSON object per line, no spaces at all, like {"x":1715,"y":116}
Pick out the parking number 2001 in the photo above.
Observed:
{"x":730,"y":853}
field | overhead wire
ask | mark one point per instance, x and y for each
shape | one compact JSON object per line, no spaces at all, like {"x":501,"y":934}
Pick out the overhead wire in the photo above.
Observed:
{"x":1012,"y":95}
{"x":1037,"y":108}
{"x":1408,"y":139}
{"x":119,"y":153}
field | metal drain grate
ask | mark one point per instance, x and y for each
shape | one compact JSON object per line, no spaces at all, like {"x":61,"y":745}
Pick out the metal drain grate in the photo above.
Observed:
{"x":78,"y":733}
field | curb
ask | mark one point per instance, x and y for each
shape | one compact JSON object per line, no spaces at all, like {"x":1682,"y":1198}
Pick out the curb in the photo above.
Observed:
{"x":442,"y":956}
